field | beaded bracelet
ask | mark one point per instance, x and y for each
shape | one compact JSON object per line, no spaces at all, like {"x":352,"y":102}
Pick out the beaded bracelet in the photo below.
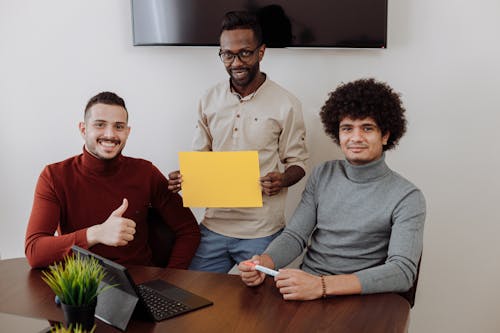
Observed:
{"x":323,"y":285}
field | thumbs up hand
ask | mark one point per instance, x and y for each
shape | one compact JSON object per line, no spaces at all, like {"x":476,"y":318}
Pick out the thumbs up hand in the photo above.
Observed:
{"x":115,"y":231}
{"x":120,"y":210}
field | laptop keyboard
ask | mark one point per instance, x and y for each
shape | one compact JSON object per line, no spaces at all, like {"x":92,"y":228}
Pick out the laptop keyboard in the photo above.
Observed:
{"x":160,"y":306}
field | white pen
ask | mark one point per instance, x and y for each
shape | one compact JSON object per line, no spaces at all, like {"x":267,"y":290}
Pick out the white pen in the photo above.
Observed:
{"x":266,"y":270}
{"x":263,"y":269}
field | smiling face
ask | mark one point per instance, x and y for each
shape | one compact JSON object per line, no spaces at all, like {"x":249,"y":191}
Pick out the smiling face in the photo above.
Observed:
{"x":105,"y":130}
{"x":242,"y":73}
{"x":361,"y":140}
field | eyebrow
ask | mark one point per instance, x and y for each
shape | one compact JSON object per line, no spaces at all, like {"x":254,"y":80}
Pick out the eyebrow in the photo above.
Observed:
{"x":105,"y":121}
{"x":244,"y":48}
{"x":363,"y":124}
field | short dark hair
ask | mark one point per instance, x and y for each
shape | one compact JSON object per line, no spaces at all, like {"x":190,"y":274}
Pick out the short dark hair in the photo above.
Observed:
{"x":105,"y":97}
{"x":361,"y":99}
{"x":242,"y":20}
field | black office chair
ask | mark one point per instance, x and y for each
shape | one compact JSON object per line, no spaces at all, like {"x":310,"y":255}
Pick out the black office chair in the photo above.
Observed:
{"x":410,"y":294}
{"x":161,"y":239}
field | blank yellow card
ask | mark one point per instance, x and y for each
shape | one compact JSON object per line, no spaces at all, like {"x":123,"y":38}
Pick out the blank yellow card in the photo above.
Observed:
{"x":220,"y":179}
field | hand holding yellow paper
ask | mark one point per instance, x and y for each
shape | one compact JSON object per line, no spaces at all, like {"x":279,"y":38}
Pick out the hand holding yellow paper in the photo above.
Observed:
{"x":220,"y":179}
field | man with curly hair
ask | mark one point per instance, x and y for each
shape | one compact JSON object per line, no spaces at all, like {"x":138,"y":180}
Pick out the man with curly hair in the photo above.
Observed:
{"x":361,"y":222}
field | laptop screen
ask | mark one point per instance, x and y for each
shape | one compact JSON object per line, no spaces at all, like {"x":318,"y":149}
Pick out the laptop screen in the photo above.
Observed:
{"x":116,"y":274}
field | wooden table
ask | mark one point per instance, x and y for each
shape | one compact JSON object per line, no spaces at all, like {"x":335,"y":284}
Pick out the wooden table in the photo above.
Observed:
{"x":236,"y":308}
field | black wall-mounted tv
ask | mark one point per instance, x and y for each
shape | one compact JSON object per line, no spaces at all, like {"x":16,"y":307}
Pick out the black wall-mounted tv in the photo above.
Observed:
{"x":286,"y":23}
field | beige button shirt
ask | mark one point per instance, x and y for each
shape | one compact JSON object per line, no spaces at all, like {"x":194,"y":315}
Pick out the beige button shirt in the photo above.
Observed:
{"x":269,"y":121}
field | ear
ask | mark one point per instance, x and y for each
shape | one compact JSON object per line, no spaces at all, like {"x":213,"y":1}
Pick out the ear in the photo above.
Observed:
{"x":262,"y":50}
{"x":82,"y":129}
{"x":385,"y":138}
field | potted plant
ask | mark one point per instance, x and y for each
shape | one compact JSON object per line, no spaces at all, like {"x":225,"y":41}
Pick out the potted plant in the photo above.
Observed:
{"x":77,"y":329}
{"x":76,"y":283}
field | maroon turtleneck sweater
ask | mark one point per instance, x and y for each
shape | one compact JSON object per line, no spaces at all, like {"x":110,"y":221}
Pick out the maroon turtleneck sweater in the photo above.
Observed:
{"x":83,"y":191}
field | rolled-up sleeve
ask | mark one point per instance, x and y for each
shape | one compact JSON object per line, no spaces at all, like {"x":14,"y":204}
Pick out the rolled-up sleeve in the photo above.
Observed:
{"x":202,"y":139}
{"x":292,"y":141}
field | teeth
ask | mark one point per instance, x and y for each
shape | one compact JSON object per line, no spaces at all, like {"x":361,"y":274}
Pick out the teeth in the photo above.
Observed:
{"x":107,"y":143}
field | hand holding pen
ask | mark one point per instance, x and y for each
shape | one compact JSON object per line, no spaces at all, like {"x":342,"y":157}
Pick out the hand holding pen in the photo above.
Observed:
{"x":253,"y":271}
{"x":262,"y":269}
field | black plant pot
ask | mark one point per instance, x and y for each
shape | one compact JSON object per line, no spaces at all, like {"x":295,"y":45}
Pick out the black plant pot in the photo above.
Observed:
{"x":82,"y":314}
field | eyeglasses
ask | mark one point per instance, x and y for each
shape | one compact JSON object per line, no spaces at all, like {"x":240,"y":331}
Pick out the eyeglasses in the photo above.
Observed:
{"x":228,"y":57}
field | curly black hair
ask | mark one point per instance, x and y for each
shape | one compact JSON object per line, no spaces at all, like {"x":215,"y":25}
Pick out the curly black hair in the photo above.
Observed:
{"x":361,"y":99}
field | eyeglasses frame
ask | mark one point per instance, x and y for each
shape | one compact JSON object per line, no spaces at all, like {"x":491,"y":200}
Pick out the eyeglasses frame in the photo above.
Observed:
{"x":234,"y":55}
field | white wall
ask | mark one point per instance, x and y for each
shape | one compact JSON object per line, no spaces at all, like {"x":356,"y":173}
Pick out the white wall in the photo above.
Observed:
{"x":442,"y":55}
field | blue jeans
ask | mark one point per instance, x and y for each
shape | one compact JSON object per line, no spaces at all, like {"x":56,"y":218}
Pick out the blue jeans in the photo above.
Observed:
{"x":219,"y":253}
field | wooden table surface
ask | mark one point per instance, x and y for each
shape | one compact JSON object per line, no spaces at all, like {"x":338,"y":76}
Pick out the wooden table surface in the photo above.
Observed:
{"x":236,"y":308}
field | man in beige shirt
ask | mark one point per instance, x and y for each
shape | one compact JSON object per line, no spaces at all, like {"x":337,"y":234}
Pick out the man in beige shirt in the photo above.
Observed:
{"x":248,"y":112}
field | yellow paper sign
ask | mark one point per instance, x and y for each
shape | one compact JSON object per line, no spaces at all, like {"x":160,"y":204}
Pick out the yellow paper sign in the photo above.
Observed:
{"x":220,"y":179}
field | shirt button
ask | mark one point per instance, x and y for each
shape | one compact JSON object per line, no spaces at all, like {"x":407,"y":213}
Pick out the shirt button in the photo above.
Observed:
{"x":235,"y":129}
{"x":237,"y":116}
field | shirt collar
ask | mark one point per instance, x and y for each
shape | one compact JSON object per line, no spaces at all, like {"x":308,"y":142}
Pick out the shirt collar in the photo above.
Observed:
{"x":250,"y":96}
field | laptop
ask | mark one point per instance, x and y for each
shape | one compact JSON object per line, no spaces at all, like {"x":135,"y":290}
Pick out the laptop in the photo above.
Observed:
{"x":154,"y":300}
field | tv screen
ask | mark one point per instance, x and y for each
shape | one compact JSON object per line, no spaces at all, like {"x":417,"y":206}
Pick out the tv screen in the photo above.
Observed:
{"x":285,"y":23}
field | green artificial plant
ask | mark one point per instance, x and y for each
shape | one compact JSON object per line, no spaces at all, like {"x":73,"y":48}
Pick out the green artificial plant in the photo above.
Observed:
{"x":76,"y":280}
{"x":77,"y":329}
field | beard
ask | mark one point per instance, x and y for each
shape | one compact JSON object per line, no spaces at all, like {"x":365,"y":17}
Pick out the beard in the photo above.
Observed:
{"x":102,"y":150}
{"x":243,"y":80}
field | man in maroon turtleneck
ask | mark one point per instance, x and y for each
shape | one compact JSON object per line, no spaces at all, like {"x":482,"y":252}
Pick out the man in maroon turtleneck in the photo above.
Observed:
{"x":99,"y":199}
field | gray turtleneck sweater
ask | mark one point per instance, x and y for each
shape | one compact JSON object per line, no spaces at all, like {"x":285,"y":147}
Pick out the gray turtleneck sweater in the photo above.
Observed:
{"x":367,"y":220}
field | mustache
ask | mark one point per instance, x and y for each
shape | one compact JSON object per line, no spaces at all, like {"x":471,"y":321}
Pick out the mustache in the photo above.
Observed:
{"x":357,"y":145}
{"x":113,"y":140}
{"x":239,"y":68}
